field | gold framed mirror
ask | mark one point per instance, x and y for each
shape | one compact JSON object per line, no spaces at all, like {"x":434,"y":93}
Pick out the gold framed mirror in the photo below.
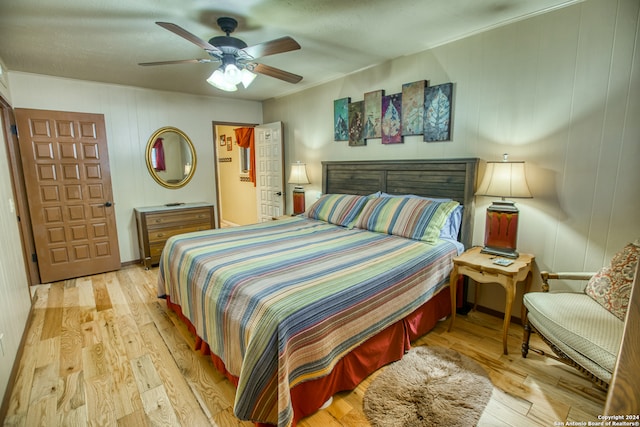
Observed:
{"x":171,"y":157}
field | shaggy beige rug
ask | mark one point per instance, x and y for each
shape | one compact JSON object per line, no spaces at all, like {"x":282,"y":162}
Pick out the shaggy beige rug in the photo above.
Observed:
{"x":429,"y":386}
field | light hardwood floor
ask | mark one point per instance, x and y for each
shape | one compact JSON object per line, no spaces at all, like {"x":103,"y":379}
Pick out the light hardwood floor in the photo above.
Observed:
{"x":103,"y":350}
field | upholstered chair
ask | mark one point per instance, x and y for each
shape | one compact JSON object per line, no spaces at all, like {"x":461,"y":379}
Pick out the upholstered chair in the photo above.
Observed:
{"x":584,"y":329}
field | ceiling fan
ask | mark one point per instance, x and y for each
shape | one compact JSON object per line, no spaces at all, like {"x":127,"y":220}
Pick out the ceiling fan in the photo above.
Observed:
{"x":235,"y":56}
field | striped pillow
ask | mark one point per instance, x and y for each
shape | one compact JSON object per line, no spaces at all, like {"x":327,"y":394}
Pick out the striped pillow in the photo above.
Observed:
{"x":418,"y":219}
{"x":339,"y":209}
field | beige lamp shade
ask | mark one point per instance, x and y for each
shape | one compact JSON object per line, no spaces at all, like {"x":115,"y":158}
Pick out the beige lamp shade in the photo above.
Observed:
{"x":504,"y":179}
{"x":298,"y":175}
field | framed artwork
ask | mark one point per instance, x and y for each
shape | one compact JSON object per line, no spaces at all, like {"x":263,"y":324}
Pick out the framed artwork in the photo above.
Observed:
{"x":372,"y":114}
{"x":356,"y":123}
{"x":437,"y":112}
{"x":413,"y":107}
{"x":229,"y":143}
{"x":341,"y":119}
{"x":392,"y":119}
{"x":223,"y":140}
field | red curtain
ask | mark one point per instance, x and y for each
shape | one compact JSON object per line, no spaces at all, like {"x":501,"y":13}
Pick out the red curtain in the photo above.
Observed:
{"x":157,"y":156}
{"x":245,"y":138}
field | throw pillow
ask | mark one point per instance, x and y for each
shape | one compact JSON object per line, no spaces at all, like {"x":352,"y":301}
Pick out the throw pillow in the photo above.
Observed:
{"x":611,"y":286}
{"x":338,"y":209}
{"x":418,"y":219}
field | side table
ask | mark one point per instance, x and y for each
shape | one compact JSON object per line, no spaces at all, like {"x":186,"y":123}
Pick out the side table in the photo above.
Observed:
{"x":480,"y":267}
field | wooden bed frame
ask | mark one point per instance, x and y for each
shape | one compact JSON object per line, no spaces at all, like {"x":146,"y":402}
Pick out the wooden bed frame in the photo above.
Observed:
{"x":446,"y":178}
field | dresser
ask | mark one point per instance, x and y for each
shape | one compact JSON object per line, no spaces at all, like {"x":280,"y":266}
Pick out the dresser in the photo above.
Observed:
{"x":157,"y":223}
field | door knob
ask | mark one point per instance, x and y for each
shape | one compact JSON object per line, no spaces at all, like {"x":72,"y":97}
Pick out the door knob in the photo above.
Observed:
{"x":279,"y":193}
{"x":108,"y":204}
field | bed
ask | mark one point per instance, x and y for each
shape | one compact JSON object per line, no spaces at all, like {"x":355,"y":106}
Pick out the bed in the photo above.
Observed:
{"x":294,"y":310}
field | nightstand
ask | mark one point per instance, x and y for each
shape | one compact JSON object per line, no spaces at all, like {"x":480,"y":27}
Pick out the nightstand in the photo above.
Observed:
{"x":481,"y":268}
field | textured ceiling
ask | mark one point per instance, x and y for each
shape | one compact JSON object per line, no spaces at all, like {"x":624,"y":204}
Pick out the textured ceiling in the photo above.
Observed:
{"x":104,"y":40}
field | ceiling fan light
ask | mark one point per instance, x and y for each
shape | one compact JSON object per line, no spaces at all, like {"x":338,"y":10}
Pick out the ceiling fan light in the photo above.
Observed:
{"x":247,"y":77}
{"x":217,"y":79}
{"x":232,"y":74}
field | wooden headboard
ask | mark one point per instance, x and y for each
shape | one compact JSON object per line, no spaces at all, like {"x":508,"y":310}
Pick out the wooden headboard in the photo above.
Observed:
{"x":447,"y":178}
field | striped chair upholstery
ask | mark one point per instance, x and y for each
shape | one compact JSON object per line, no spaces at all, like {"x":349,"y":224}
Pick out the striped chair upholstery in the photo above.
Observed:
{"x":584,"y":329}
{"x":579,"y":330}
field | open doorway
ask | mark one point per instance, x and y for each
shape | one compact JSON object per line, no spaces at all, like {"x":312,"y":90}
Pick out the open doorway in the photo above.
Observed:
{"x":237,"y":198}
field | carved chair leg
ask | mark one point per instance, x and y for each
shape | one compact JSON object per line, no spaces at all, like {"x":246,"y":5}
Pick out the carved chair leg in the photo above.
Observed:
{"x":525,"y":339}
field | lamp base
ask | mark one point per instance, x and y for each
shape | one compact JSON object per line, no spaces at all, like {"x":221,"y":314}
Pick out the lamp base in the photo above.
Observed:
{"x":501,"y":229}
{"x":298,"y":201}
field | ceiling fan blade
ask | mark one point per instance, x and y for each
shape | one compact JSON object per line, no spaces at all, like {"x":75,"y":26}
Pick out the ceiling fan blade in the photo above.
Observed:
{"x":281,"y":45}
{"x":188,"y":36}
{"x":276,"y":73}
{"x":179,"y":61}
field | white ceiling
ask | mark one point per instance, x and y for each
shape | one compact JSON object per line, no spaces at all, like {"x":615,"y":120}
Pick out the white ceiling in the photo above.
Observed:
{"x":104,"y":40}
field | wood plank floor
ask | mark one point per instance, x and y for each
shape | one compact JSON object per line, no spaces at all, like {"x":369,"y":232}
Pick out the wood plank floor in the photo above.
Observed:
{"x":104,"y":351}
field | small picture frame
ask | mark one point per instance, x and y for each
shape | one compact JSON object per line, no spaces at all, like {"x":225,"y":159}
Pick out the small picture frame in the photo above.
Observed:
{"x":341,"y":119}
{"x":413,"y":107}
{"x":392,"y":119}
{"x":437,"y":112}
{"x":372,"y":114}
{"x":356,"y":124}
{"x":3,"y":76}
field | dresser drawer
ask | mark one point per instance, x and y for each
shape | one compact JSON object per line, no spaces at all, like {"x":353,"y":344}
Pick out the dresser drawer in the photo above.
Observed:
{"x":162,"y":234}
{"x":164,"y":220}
{"x":156,"y":225}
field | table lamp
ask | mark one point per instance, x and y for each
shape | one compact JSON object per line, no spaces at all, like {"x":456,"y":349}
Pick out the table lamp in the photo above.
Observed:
{"x":503,"y":179}
{"x":298,"y":177}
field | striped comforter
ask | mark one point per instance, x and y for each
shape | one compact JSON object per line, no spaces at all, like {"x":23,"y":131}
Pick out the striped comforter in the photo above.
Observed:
{"x":281,"y":302}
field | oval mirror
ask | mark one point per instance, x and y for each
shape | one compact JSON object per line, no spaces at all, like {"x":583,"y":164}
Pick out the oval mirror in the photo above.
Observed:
{"x":171,"y":157}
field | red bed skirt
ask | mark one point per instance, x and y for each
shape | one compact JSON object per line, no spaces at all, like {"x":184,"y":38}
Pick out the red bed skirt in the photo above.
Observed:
{"x":381,"y":349}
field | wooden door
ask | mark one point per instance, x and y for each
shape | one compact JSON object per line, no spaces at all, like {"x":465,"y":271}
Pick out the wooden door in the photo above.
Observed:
{"x":269,"y":171}
{"x":68,"y":183}
{"x":21,"y":202}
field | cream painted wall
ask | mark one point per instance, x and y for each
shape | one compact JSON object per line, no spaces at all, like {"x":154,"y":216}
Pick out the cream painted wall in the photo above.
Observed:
{"x":132,"y":115}
{"x":559,"y":91}
{"x":237,"y":198}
